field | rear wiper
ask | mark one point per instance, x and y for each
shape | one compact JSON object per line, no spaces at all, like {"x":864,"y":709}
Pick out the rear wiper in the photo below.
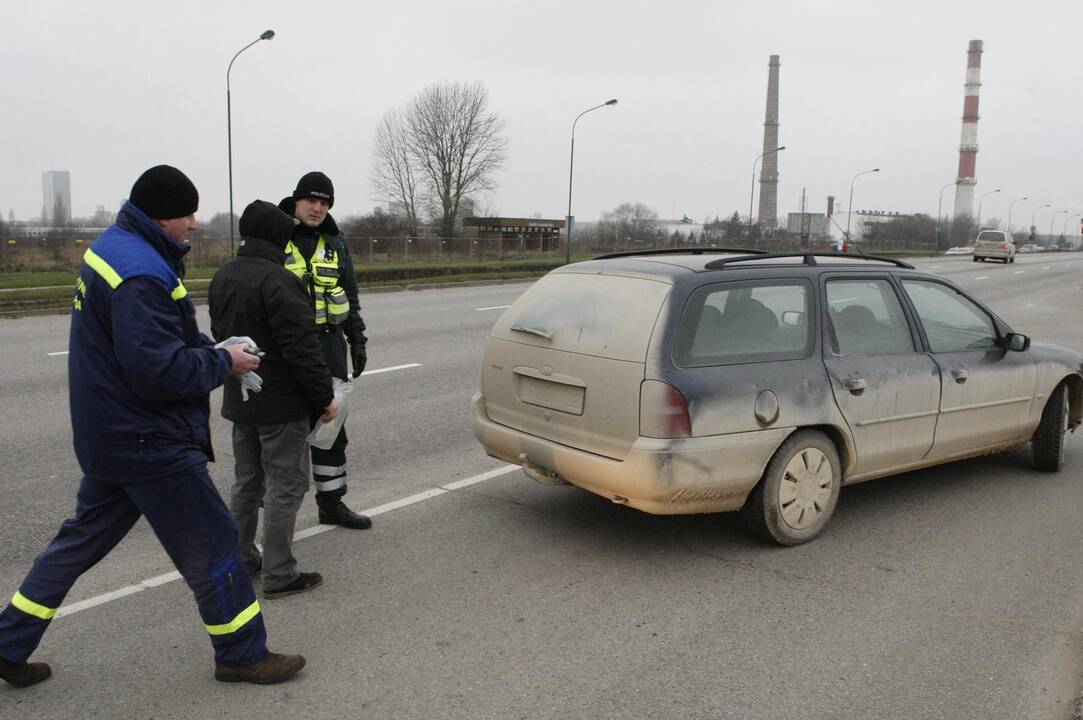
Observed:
{"x":533,"y":331}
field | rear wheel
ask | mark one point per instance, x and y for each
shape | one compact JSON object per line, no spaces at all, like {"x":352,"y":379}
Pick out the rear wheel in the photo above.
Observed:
{"x":976,"y":258}
{"x":798,"y":491}
{"x":1047,"y":445}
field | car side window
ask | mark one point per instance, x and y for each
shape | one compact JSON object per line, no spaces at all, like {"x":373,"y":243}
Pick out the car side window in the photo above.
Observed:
{"x":865,"y":316}
{"x":952,"y":321}
{"x":744,"y":322}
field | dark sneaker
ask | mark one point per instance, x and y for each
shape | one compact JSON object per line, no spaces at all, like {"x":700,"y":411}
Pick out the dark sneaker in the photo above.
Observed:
{"x":24,"y":674}
{"x":270,"y":670}
{"x":303,"y":583}
{"x":336,"y":513}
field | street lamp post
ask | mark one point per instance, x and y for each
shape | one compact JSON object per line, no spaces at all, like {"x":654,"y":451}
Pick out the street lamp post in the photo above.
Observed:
{"x":1053,"y":219}
{"x":850,"y":207}
{"x":752,"y":194}
{"x":1013,"y":202}
{"x":939,"y":207}
{"x":1034,"y":219}
{"x":569,"y":221}
{"x":991,"y":192}
{"x":265,"y":35}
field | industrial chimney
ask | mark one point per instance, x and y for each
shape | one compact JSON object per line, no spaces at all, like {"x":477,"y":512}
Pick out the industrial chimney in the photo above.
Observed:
{"x":968,"y":145}
{"x":769,"y":170}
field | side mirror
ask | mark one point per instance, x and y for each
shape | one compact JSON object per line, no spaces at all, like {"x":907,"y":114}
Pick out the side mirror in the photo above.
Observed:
{"x":1016,"y":342}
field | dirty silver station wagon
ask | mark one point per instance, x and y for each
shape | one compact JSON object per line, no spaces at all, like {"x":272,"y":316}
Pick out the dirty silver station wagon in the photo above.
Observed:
{"x":695,"y":382}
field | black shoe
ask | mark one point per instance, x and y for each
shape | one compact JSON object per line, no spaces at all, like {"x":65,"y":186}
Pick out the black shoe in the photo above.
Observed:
{"x":24,"y":674}
{"x":270,"y":670}
{"x":336,"y":513}
{"x":303,"y":583}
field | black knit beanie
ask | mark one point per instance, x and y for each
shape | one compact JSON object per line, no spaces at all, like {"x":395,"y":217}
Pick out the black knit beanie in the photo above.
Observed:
{"x":165,"y":193}
{"x":315,"y":185}
{"x":265,"y":221}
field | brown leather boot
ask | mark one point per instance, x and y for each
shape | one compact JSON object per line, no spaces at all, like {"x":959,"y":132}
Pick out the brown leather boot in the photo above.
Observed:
{"x":270,"y":670}
{"x":24,"y":674}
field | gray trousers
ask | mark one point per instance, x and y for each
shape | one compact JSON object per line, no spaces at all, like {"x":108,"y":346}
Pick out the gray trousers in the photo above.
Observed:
{"x":272,"y":468}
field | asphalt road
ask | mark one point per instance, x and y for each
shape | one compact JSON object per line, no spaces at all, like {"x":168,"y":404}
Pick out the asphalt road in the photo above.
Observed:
{"x":955,"y":592}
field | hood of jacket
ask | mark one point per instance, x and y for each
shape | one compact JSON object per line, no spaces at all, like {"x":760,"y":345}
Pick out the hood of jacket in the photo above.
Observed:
{"x":136,"y":221}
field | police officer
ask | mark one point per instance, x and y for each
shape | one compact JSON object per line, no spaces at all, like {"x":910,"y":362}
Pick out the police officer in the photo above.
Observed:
{"x":140,"y":374}
{"x":318,"y":255}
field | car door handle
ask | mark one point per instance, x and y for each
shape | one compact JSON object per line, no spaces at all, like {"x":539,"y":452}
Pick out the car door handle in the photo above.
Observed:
{"x":960,"y":375}
{"x":855,"y":385}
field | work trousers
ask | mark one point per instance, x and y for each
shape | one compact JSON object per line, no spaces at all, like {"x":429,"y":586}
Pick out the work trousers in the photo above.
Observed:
{"x":271,"y":468}
{"x":195,"y":528}
{"x":329,"y":469}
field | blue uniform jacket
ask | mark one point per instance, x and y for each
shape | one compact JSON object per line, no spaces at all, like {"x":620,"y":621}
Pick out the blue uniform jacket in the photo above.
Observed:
{"x":139,"y":371}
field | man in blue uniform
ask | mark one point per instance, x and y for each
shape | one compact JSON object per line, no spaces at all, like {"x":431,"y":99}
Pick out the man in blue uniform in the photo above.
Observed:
{"x":140,"y":374}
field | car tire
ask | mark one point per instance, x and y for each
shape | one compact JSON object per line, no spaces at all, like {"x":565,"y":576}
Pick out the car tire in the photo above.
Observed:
{"x":975,"y":258}
{"x":1047,"y":444}
{"x":798,"y":491}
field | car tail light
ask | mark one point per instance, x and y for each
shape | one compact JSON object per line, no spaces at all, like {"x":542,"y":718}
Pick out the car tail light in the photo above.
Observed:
{"x":663,"y":411}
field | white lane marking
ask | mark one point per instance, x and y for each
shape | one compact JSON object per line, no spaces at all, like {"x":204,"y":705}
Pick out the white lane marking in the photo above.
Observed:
{"x":1018,"y":272}
{"x":935,"y":267}
{"x":62,"y":352}
{"x":494,"y":307}
{"x":1045,"y":267}
{"x":982,"y":277}
{"x":172,"y":576}
{"x":390,"y":369}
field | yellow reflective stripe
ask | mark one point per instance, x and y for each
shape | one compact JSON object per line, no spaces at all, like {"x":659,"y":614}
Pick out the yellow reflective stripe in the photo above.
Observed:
{"x":102,"y":268}
{"x":180,"y":291}
{"x":236,"y":623}
{"x":30,"y":607}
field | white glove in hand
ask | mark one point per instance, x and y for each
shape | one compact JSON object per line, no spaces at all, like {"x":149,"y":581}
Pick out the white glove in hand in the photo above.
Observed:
{"x":250,"y":381}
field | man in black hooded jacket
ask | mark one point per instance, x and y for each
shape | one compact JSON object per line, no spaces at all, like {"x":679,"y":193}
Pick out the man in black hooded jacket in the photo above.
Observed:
{"x":254,"y":295}
{"x":317,"y":254}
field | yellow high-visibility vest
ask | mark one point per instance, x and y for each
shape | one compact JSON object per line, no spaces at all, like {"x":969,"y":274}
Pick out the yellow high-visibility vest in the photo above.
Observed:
{"x":321,"y":274}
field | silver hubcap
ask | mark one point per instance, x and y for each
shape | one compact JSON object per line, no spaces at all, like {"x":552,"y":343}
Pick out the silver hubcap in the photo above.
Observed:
{"x":805,"y":489}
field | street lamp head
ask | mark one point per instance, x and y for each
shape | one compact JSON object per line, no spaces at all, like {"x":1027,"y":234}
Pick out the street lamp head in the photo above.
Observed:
{"x":267,"y":35}
{"x":875,"y":170}
{"x":780,"y":148}
{"x":611,"y":102}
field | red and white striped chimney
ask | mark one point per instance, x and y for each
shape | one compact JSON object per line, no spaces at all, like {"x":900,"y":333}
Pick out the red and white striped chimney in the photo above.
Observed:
{"x":968,"y":144}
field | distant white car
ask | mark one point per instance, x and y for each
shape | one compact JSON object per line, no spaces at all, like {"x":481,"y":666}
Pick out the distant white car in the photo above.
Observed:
{"x":961,"y":250}
{"x":1032,"y":247}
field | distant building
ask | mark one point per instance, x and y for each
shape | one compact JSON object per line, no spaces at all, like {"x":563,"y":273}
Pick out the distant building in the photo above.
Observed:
{"x":515,"y":233}
{"x":56,"y":197}
{"x":102,"y":217}
{"x":860,"y":220}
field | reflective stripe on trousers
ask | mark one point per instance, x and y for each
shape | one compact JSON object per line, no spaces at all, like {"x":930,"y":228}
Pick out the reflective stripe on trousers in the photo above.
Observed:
{"x":190,"y":520}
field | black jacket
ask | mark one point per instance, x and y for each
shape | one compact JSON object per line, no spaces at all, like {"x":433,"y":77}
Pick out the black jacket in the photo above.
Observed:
{"x":254,"y":295}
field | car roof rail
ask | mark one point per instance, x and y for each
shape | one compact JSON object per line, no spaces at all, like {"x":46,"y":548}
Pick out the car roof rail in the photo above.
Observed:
{"x":680,"y":251}
{"x":807,"y":258}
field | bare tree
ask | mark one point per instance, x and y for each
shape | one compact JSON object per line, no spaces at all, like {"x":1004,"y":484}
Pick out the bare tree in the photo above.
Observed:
{"x":394,"y":173}
{"x":442,"y":149}
{"x":631,"y":221}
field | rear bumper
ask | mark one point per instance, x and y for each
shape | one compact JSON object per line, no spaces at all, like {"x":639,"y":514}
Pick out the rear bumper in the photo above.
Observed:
{"x":665,"y":477}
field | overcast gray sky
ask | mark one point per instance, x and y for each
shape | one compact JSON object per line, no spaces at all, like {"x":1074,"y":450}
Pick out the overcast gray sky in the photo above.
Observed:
{"x":106,"y":89}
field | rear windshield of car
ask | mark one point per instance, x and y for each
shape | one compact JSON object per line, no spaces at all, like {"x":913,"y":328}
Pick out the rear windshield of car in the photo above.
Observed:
{"x":991,"y":236}
{"x":608,"y":316}
{"x":743,"y":322}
